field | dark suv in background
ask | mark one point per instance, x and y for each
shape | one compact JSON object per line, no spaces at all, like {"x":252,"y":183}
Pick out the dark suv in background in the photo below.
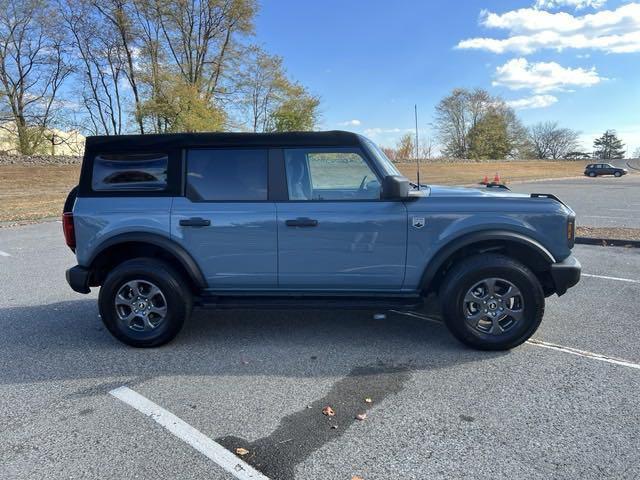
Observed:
{"x":597,"y":169}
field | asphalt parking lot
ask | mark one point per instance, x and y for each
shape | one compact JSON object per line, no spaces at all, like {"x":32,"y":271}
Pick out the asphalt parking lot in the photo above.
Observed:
{"x":598,"y":202}
{"x":564,"y":406}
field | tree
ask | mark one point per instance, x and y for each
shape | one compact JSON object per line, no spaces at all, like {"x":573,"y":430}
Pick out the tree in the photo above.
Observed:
{"x":262,"y":82}
{"x":608,"y":146}
{"x":488,"y":138}
{"x":298,"y":110}
{"x":182,"y":108}
{"x":99,"y":66}
{"x":550,"y":141}
{"x":474,"y":113}
{"x":405,"y":148}
{"x":33,"y":69}
{"x":636,"y":153}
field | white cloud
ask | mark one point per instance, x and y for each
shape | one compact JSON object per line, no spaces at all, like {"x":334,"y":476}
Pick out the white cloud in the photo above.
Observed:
{"x":519,"y":74}
{"x":377,"y":132}
{"x":530,"y":29}
{"x":536,"y":101}
{"x":350,"y":123}
{"x":577,"y":4}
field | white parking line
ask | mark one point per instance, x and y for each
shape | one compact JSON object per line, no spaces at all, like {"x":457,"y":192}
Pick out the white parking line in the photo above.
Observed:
{"x":4,"y":254}
{"x":605,"y":277}
{"x":185,"y":432}
{"x":584,"y":353}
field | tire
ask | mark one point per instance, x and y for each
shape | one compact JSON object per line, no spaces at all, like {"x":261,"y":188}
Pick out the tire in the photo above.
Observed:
{"x":592,"y":174}
{"x":617,"y":174}
{"x":71,"y":198}
{"x":165,"y":310}
{"x":515,"y":319}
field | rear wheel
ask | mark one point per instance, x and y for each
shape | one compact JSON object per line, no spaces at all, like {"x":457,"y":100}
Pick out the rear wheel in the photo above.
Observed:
{"x":492,"y":302}
{"x":144,"y":302}
{"x":592,"y":174}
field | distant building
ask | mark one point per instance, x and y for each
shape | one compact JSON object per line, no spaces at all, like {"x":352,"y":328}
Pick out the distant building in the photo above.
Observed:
{"x":57,"y":142}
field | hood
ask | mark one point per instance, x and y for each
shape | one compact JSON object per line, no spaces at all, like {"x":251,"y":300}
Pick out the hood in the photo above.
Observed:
{"x":445,"y":191}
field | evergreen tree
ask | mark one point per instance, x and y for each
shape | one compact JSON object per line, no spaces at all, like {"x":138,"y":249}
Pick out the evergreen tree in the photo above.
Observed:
{"x":608,"y":146}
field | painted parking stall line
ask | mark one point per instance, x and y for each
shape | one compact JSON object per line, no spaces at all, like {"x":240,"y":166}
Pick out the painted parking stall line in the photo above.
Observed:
{"x":188,"y":434}
{"x":4,"y":254}
{"x":605,"y":277}
{"x":584,"y":353}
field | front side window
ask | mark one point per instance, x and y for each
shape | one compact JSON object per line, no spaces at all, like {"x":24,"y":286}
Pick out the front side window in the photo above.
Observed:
{"x":130,"y":172}
{"x":329,"y":174}
{"x":227,"y":175}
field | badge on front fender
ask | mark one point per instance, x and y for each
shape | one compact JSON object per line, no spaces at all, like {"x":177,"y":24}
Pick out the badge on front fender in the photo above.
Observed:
{"x":418,"y":222}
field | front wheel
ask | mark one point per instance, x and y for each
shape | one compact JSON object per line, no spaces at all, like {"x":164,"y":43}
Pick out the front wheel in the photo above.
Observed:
{"x":618,"y":174}
{"x":144,"y":302}
{"x":492,"y":302}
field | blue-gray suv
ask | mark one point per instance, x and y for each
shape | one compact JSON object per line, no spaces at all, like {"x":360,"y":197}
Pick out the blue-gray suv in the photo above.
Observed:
{"x":163,"y":223}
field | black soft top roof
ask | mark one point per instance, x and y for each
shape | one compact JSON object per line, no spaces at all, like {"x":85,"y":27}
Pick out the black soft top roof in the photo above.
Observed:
{"x":182,"y":140}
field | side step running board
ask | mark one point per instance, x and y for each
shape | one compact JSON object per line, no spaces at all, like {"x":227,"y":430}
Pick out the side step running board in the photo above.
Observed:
{"x":260,"y":302}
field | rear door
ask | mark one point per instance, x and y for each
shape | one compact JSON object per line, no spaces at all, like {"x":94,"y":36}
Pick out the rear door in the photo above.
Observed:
{"x":334,"y":232}
{"x":226,"y":220}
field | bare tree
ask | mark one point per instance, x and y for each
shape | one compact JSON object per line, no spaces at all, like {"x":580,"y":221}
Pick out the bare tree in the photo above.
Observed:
{"x":100,"y":67}
{"x":33,"y":68}
{"x":262,"y":82}
{"x":550,"y":141}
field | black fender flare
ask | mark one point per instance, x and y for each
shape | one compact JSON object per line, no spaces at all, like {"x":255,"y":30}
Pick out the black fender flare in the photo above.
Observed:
{"x":452,"y":246}
{"x":158,"y":240}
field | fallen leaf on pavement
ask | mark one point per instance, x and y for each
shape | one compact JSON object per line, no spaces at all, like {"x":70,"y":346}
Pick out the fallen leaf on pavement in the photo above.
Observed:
{"x":356,"y":477}
{"x":328,"y":411}
{"x":361,"y":416}
{"x":241,"y":451}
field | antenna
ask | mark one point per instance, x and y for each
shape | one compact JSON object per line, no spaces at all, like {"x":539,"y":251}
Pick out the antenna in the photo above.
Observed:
{"x":415,"y":108}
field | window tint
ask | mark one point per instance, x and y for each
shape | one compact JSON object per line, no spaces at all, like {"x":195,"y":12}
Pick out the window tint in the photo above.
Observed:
{"x":130,"y":172}
{"x":227,"y":174}
{"x":328,"y":174}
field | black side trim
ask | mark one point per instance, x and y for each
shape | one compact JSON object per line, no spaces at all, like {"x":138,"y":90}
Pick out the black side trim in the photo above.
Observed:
{"x":453,"y":246}
{"x":170,"y":246}
{"x":78,"y":279}
{"x":566,"y":274}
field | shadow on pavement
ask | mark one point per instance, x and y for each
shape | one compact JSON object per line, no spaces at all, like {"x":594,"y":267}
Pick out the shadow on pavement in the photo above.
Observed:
{"x":67,"y":340}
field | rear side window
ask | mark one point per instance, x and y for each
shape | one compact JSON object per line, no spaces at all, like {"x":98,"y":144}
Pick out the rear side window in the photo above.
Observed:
{"x":227,"y":175}
{"x":130,"y":172}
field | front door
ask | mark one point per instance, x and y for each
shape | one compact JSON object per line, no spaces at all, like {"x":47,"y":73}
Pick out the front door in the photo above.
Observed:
{"x":225,"y":220}
{"x":335,"y":233}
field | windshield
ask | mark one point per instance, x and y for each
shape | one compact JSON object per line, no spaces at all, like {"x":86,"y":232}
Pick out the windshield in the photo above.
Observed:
{"x":386,"y":164}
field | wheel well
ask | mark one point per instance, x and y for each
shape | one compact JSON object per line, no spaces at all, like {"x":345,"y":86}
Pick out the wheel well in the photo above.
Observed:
{"x":525,"y":254}
{"x":114,"y":255}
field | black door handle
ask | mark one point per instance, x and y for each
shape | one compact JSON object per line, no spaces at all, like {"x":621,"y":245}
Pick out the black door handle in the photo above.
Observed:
{"x":302,"y":222}
{"x":195,"y":222}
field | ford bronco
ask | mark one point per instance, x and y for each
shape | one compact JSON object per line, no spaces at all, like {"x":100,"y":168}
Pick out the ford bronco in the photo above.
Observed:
{"x":163,"y":223}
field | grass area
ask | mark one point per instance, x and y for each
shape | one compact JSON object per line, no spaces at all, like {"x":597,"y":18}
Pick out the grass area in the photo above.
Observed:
{"x":30,"y":192}
{"x":442,"y":173}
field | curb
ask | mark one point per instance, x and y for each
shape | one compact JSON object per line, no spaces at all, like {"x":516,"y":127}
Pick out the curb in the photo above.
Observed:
{"x":607,"y":242}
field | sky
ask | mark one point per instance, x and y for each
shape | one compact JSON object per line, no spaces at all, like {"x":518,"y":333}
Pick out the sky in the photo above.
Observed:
{"x":576,"y":62}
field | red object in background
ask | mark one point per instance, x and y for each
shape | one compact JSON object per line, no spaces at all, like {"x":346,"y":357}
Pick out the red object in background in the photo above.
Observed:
{"x":69,"y":230}
{"x":496,"y":179}
{"x":486,"y":180}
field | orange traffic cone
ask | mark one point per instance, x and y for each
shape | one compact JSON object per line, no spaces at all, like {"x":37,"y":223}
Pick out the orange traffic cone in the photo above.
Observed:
{"x":496,"y":179}
{"x":485,"y":181}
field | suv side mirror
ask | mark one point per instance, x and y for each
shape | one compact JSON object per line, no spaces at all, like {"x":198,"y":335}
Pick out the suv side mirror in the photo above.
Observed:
{"x":394,"y":187}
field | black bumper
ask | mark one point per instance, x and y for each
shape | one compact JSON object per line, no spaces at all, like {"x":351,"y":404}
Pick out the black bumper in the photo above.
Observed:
{"x":566,"y":274}
{"x":78,"y":279}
